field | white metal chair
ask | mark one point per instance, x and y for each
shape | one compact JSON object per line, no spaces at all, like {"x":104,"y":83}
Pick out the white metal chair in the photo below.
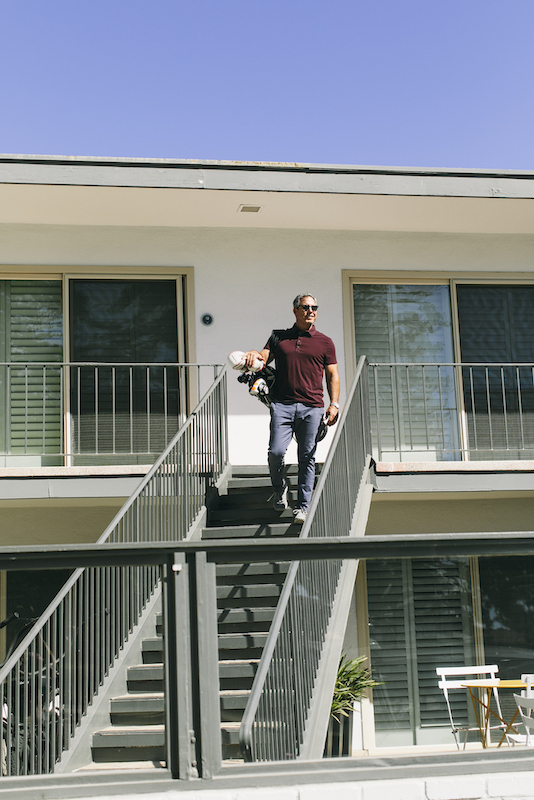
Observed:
{"x":526,"y":707}
{"x":460,"y":676}
{"x":527,"y":678}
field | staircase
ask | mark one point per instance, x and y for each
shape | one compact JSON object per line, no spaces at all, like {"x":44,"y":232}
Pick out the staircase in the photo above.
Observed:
{"x":247,"y":595}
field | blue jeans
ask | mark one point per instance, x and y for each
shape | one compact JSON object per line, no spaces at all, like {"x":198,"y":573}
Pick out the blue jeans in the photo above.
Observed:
{"x":304,"y":421}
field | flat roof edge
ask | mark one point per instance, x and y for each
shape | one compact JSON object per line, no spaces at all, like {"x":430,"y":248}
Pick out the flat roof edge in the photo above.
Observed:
{"x":255,"y":166}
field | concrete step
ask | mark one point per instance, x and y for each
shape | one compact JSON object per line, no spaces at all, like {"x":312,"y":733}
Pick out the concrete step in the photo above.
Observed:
{"x":245,"y":620}
{"x":145,"y":678}
{"x":233,"y":705}
{"x":254,"y":595}
{"x":260,"y":470}
{"x":230,"y":740}
{"x":152,"y":650}
{"x":242,"y":574}
{"x":242,"y":645}
{"x":142,"y":709}
{"x":237,"y":674}
{"x":248,"y":516}
{"x":261,"y":529}
{"x":253,"y":500}
{"x":139,"y":743}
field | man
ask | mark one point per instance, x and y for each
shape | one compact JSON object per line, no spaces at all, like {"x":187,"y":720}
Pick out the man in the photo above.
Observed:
{"x":303,"y":356}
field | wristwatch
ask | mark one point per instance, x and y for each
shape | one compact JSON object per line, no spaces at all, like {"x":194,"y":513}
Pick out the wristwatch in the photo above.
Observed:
{"x":336,"y":405}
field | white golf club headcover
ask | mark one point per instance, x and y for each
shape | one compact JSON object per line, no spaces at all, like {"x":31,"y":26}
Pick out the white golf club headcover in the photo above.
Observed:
{"x":236,"y":359}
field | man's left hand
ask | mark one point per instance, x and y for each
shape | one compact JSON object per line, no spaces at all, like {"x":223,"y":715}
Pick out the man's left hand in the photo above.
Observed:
{"x":331,"y":415}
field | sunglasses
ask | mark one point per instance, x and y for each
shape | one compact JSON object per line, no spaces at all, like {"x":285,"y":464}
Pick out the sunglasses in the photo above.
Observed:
{"x":309,"y":308}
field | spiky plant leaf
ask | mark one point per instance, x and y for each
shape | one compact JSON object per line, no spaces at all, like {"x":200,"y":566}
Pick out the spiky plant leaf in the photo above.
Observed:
{"x":351,"y":682}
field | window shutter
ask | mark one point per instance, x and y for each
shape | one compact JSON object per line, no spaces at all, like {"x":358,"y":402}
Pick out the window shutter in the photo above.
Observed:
{"x":419,"y":618}
{"x":34,"y":335}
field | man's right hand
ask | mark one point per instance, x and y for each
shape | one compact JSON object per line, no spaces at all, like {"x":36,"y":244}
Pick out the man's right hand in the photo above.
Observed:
{"x":251,"y":356}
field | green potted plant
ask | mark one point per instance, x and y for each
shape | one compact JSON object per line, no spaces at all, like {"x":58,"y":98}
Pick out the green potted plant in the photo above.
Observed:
{"x":351,"y":682}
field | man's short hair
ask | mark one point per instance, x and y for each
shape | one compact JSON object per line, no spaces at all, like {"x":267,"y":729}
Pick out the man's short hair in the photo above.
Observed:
{"x":298,"y":299}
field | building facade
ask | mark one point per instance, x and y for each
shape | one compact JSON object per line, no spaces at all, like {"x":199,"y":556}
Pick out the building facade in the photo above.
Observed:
{"x":428,"y":273}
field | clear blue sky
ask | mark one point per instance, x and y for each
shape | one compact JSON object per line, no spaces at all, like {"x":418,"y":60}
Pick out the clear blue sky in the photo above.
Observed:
{"x":431,"y":83}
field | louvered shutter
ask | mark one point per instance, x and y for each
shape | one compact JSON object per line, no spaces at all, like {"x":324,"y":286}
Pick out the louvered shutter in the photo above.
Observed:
{"x":33,"y":335}
{"x":419,"y":618}
{"x":393,"y":709}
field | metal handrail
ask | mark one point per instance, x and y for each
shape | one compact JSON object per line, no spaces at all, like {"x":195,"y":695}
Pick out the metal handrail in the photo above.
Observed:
{"x":83,"y":409}
{"x":274,"y":722}
{"x":453,"y":410}
{"x":52,"y":676}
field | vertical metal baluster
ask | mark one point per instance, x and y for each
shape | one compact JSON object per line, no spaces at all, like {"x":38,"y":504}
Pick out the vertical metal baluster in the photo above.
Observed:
{"x":79,"y":407}
{"x":165,"y":407}
{"x":10,"y":414}
{"x":85,"y":641}
{"x":488,"y":400}
{"x":42,"y":704}
{"x":425,"y":406}
{"x":79,"y":652}
{"x":377,"y":410}
{"x":63,"y":442}
{"x":97,"y":411}
{"x":409,"y":405}
{"x":56,"y":726}
{"x":505,"y":413}
{"x":520,"y":402}
{"x":25,"y":409}
{"x":44,"y":409}
{"x":17,"y":714}
{"x":472,"y":390}
{"x":32,"y":732}
{"x":394,"y":409}
{"x":60,"y":648}
{"x":443,"y":442}
{"x":113,"y":405}
{"x":131,"y":409}
{"x":148,"y":408}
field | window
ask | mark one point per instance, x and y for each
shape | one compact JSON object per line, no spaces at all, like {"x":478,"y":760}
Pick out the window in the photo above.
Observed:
{"x":124,"y":409}
{"x":123,"y":413}
{"x":31,"y":342}
{"x":423,"y":614}
{"x":425,"y":408}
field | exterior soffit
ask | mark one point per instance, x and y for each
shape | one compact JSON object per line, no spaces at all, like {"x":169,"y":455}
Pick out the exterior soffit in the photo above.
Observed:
{"x":35,"y":204}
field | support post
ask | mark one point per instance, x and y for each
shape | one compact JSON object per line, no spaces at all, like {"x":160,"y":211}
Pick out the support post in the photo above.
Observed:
{"x":208,"y":697}
{"x":179,"y":732}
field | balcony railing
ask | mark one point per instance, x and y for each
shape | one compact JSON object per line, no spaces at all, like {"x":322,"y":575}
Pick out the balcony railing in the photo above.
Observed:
{"x":76,"y":413}
{"x":447,"y":412}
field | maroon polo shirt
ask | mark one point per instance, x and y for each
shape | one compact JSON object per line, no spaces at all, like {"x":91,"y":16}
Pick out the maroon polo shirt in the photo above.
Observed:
{"x":301,"y":357}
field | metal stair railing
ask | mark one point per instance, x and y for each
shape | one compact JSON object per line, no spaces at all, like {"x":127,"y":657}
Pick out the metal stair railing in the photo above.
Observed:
{"x":274,"y":724}
{"x":48,"y":682}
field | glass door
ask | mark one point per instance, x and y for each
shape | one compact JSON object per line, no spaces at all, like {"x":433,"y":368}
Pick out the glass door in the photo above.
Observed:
{"x":407,"y":331}
{"x":130,"y":410}
{"x":496,"y":324}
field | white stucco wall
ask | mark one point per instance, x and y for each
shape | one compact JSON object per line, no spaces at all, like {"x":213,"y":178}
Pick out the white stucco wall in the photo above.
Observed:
{"x":247,"y":279}
{"x":474,"y":786}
